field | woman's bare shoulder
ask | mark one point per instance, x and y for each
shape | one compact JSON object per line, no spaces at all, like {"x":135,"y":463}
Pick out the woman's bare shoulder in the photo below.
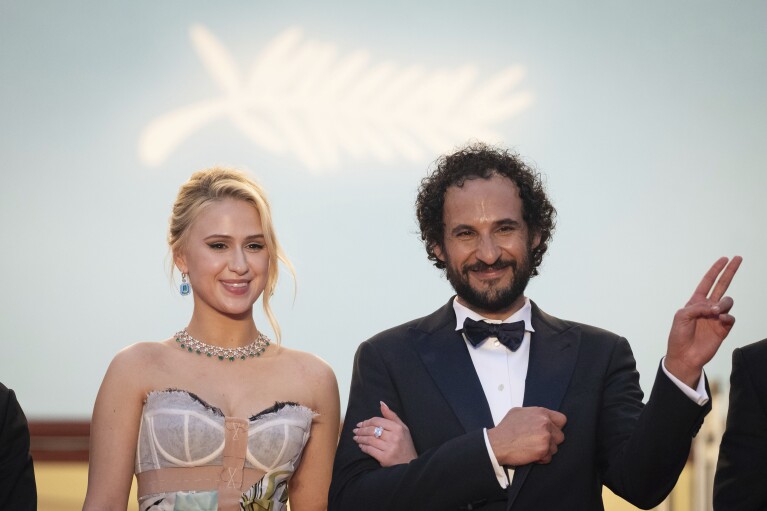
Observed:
{"x":139,"y":358}
{"x":315,"y":377}
{"x":129,"y":376}
{"x":311,"y":364}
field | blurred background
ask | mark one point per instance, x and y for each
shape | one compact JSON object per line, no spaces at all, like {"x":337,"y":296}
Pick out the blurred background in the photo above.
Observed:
{"x":647,"y":119}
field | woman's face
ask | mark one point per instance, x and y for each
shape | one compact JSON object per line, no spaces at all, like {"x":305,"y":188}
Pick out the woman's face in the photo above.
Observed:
{"x":226,"y":258}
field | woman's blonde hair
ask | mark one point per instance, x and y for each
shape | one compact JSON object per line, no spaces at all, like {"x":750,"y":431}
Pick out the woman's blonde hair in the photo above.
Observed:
{"x":217,"y":184}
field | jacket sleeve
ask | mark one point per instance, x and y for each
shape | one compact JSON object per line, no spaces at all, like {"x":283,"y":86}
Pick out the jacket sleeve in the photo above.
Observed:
{"x":739,"y":483}
{"x":455,"y":474}
{"x":17,"y":476}
{"x":643,"y":449}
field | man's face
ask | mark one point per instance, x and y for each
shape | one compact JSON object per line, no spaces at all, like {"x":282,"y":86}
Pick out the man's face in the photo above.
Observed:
{"x":487,"y":246}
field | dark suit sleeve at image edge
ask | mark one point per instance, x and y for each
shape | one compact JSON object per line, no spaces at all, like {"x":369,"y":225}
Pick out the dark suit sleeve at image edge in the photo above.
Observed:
{"x":17,"y":477}
{"x":740,"y":482}
{"x":447,"y":476}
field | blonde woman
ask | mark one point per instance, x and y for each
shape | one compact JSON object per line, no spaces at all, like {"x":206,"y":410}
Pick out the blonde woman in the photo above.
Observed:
{"x":217,"y":416}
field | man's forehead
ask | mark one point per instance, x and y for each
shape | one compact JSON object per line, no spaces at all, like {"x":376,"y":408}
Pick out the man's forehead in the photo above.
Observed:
{"x":482,"y":197}
{"x":477,"y":182}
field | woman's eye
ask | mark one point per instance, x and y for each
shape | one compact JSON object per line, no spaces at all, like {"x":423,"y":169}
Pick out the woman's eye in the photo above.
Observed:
{"x":255,"y":246}
{"x":217,"y":246}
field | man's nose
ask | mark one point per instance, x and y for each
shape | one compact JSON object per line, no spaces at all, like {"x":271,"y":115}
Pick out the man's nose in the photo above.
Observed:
{"x":488,"y":250}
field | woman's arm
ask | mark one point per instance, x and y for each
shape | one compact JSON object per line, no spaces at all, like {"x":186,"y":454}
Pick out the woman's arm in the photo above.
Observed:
{"x":114,"y":432}
{"x":309,"y":484}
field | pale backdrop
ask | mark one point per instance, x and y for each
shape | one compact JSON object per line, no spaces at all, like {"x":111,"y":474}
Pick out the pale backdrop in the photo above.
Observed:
{"x":646,"y":117}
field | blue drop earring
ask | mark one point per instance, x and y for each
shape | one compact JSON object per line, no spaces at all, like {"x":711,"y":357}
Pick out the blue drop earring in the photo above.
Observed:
{"x":184,"y":288}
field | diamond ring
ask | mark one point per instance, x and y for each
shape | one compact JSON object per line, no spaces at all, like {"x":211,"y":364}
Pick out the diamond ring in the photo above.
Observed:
{"x":378,"y":432}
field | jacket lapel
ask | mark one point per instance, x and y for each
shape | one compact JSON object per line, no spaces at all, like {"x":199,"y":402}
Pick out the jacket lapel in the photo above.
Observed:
{"x":553,"y":353}
{"x":446,"y":357}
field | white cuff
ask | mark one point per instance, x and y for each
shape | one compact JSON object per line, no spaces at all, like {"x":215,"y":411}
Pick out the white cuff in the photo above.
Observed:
{"x":500,"y":473}
{"x":699,"y":395}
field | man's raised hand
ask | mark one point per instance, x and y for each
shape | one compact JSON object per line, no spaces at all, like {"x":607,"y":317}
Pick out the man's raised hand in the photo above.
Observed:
{"x":702,"y":324}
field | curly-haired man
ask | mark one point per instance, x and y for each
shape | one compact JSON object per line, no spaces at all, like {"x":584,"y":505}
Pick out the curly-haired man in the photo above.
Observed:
{"x":490,"y":403}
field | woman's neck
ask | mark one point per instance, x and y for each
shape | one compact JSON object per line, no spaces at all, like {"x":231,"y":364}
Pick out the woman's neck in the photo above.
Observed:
{"x":221,"y":330}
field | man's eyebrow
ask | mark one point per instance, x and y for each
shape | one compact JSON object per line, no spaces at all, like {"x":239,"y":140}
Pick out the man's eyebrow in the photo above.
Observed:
{"x":509,"y":221}
{"x":504,"y":221}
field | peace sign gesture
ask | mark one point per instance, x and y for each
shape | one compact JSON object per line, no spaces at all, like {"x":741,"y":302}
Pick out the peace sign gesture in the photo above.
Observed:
{"x":700,"y":326}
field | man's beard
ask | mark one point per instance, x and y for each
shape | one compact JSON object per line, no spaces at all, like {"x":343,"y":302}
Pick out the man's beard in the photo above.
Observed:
{"x":494,"y":299}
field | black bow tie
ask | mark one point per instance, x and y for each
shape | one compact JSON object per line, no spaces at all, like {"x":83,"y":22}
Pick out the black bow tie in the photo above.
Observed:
{"x":510,"y":334}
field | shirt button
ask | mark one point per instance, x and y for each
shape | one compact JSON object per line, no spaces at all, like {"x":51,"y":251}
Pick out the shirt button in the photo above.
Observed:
{"x":497,"y":343}
{"x":500,"y":387}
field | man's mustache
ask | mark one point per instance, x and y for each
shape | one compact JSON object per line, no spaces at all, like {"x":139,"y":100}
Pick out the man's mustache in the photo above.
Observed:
{"x":498,"y":265}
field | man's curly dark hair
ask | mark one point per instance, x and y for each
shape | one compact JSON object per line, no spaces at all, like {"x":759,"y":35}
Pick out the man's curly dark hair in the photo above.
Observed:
{"x":480,"y":161}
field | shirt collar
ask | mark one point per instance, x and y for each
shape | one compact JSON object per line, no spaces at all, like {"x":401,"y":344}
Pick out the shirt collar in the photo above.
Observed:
{"x":462,"y":312}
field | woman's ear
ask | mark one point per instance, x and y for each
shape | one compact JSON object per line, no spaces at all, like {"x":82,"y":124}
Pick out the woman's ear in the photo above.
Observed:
{"x":180,"y":261}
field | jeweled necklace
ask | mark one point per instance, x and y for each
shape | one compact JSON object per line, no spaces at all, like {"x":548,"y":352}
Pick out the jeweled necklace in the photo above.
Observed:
{"x":192,"y":345}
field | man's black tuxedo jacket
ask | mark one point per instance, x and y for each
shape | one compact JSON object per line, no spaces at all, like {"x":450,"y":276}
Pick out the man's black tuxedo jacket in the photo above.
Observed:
{"x":424,"y":372}
{"x":17,"y":477}
{"x":741,"y":473}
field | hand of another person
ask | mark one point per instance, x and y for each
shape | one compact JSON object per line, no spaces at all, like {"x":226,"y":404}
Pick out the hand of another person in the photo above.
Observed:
{"x":702,"y":324}
{"x":527,"y":435}
{"x":392,"y":445}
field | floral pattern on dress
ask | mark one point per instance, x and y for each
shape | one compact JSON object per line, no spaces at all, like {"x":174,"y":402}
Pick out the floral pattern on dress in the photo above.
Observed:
{"x":183,"y":501}
{"x":269,"y":494}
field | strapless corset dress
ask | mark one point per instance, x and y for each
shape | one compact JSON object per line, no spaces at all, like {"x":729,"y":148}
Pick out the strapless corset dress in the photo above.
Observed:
{"x":190,"y":457}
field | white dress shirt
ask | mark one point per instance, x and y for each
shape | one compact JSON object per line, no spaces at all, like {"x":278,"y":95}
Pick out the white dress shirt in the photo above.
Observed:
{"x":502,"y":373}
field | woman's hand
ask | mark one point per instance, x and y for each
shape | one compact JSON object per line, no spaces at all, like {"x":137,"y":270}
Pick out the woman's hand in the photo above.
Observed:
{"x":387,"y":439}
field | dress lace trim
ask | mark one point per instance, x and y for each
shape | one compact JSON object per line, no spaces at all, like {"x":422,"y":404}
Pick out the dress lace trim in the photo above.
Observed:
{"x":276,"y":407}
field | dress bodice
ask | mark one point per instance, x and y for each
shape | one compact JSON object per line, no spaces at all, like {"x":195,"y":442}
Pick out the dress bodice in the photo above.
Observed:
{"x":190,"y":451}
